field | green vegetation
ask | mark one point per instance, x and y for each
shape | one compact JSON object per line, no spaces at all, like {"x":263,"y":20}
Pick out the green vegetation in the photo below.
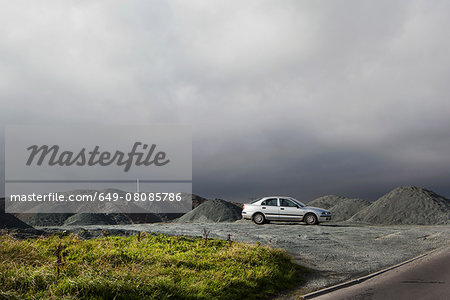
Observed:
{"x":141,"y":267}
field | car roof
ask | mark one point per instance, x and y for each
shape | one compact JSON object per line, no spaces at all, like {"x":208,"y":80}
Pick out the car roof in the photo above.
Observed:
{"x":276,"y":197}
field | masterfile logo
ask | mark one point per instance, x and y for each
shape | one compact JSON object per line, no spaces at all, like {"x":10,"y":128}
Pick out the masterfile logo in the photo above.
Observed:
{"x":74,"y":160}
{"x":52,"y":156}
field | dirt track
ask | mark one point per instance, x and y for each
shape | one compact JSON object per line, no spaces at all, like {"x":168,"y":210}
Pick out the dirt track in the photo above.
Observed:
{"x":337,"y":251}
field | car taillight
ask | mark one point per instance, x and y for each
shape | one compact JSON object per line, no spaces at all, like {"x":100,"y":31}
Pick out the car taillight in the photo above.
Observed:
{"x":243,"y":207}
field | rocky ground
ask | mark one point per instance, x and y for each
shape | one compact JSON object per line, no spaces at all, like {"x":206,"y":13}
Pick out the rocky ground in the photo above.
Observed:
{"x":376,"y":235}
{"x":335,"y":252}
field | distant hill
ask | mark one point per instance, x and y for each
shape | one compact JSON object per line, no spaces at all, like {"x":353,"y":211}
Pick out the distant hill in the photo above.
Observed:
{"x":212,"y":211}
{"x":406,"y":205}
{"x":197,"y":200}
{"x":341,"y":208}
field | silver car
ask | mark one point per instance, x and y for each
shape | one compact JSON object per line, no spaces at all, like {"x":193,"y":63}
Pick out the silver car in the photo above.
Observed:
{"x":279,"y":208}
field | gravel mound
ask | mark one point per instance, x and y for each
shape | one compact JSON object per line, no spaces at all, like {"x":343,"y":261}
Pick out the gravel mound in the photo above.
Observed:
{"x":43,"y":219}
{"x":60,"y":219}
{"x":341,"y":208}
{"x":212,"y":211}
{"x":97,"y":219}
{"x":144,"y":218}
{"x":406,"y":205}
{"x":326,"y":202}
{"x":8,"y":221}
{"x":346,"y":208}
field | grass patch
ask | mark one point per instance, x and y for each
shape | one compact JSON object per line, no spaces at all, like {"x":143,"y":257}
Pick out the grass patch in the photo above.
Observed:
{"x":145,"y":267}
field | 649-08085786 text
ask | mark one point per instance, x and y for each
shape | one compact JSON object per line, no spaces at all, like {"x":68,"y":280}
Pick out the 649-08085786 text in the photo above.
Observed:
{"x":97,"y":196}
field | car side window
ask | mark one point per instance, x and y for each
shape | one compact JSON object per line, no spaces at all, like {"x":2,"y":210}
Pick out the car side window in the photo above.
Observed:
{"x":270,"y":202}
{"x":287,"y":203}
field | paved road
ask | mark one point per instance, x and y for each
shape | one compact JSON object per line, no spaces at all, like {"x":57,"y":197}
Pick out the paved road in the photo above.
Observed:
{"x":425,"y":278}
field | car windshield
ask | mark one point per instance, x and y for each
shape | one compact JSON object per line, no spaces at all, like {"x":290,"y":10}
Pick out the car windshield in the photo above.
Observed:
{"x":301,"y":204}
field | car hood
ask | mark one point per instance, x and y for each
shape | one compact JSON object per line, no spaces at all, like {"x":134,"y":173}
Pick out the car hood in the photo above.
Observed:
{"x":316,"y":209}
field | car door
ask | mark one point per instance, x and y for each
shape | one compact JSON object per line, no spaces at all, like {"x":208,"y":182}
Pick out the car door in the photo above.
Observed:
{"x":270,"y":208}
{"x":289,"y":211}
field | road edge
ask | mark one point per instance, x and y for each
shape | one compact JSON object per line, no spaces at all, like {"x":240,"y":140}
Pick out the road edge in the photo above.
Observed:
{"x":364,"y":278}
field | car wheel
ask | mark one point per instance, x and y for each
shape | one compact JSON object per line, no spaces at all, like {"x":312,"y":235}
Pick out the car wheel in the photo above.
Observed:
{"x":311,"y":219}
{"x":258,"y":218}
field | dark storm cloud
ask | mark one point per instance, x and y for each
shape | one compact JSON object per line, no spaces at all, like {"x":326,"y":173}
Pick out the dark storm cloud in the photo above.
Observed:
{"x":294,"y":97}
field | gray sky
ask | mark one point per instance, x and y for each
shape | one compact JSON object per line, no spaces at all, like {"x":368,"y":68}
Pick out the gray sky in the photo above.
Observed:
{"x":302,"y":98}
